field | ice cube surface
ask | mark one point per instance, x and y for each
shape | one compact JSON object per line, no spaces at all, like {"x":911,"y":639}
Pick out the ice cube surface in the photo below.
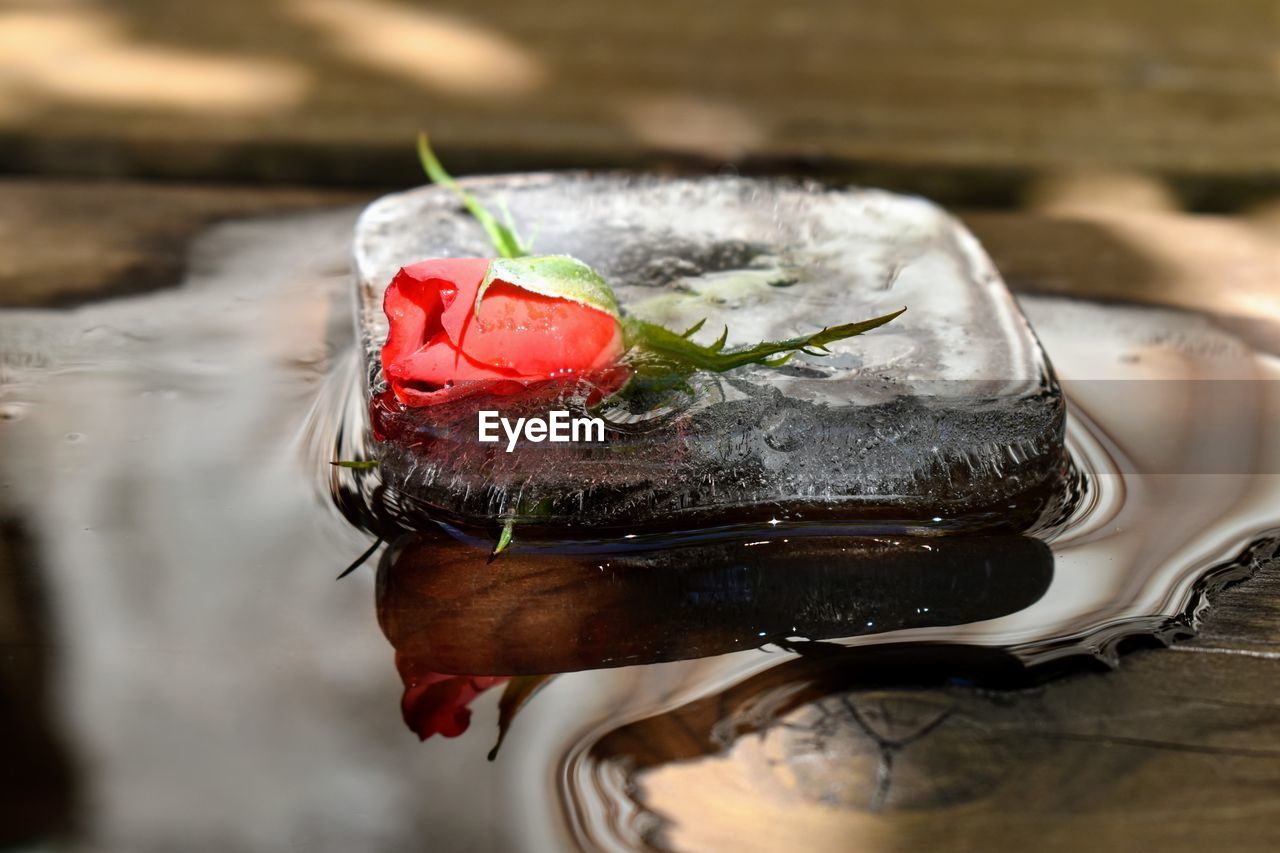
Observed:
{"x":949,"y":412}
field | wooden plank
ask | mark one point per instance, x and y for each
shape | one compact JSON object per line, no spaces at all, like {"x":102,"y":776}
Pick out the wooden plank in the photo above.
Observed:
{"x":67,"y":242}
{"x":336,"y":89}
{"x":1223,"y":265}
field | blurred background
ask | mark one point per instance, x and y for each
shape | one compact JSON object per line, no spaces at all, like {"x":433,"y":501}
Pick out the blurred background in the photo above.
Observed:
{"x":963,"y":99}
{"x":1000,"y":104}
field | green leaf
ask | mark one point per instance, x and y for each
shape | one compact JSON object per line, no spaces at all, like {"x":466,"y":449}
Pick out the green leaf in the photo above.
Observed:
{"x":357,"y":464}
{"x":518,"y":692}
{"x":504,"y":238}
{"x":504,"y":539}
{"x":656,"y":347}
{"x":693,"y":330}
{"x":559,"y":276}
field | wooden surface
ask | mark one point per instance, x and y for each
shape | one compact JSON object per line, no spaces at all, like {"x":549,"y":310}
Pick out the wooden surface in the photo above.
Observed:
{"x":62,"y":243}
{"x":953,"y":97}
{"x":1178,"y":749}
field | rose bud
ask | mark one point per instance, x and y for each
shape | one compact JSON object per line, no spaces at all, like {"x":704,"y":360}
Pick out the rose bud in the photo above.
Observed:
{"x":463,"y":325}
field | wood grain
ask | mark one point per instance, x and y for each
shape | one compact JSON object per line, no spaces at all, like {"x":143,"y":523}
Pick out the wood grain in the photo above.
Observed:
{"x":67,"y":242}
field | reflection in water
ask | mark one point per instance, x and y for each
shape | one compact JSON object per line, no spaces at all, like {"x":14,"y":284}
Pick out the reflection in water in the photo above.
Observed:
{"x":834,"y":736}
{"x":440,"y":605}
{"x":711,"y":723}
{"x":458,"y":626}
{"x":536,"y":613}
{"x":436,"y":703}
{"x":36,"y":783}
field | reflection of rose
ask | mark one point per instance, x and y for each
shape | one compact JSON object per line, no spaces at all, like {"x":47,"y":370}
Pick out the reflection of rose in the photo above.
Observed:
{"x":443,"y":344}
{"x":435,"y":703}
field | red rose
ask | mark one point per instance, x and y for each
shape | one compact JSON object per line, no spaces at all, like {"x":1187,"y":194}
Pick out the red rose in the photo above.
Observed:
{"x":435,"y":703}
{"x":460,"y":325}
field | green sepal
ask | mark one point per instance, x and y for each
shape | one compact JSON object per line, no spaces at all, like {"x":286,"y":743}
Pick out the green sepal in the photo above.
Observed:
{"x":559,"y":276}
{"x":357,"y":464}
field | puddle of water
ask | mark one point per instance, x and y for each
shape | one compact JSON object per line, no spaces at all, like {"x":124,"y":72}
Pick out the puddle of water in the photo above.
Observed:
{"x":208,"y":679}
{"x":1176,"y":481}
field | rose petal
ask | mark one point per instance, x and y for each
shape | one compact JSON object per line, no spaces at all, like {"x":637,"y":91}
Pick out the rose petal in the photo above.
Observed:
{"x":460,"y":312}
{"x":439,"y":287}
{"x":410,"y":309}
{"x":438,"y":363}
{"x":437,"y":372}
{"x":536,"y":335}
